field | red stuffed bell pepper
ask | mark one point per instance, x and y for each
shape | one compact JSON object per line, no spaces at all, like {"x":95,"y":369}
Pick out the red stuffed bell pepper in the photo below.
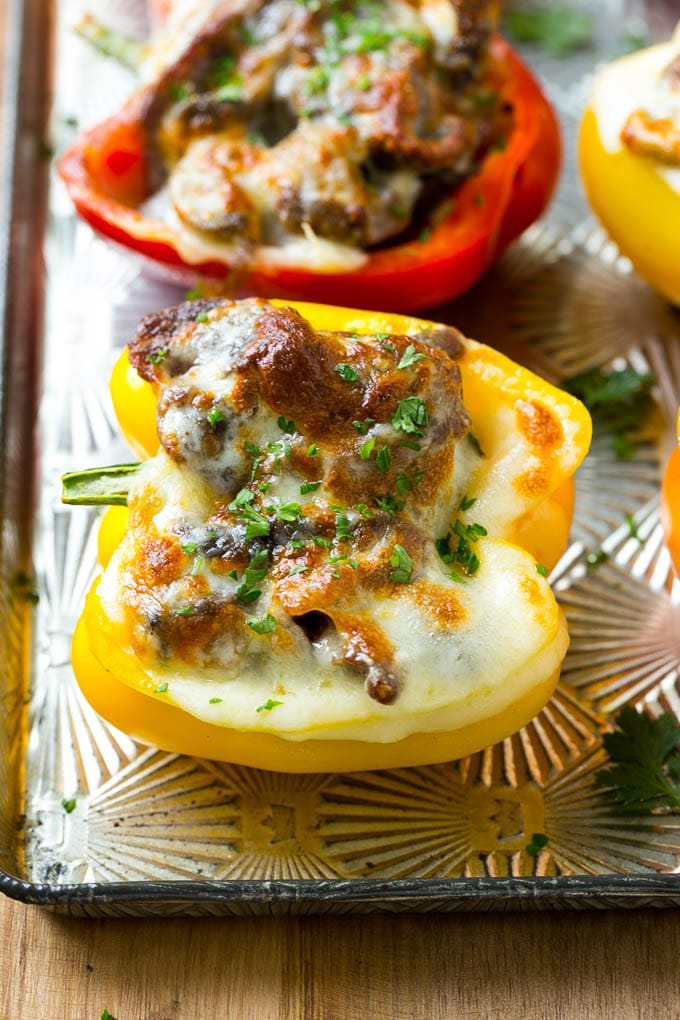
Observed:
{"x":331,"y":160}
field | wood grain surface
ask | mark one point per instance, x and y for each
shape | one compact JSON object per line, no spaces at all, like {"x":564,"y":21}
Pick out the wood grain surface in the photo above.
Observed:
{"x":585,"y":966}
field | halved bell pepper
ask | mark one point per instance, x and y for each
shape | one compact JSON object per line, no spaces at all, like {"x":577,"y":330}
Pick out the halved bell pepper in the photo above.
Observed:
{"x":107,"y":174}
{"x":530,"y":436}
{"x":634,"y":194}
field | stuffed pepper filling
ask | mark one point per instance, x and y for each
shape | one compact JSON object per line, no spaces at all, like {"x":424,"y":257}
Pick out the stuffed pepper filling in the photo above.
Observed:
{"x":304,"y":552}
{"x":344,"y":123}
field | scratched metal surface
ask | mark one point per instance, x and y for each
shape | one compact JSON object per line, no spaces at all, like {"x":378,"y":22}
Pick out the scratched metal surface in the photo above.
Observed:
{"x":156,"y":833}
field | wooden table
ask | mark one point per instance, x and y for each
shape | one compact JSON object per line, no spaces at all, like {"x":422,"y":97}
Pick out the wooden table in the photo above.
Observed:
{"x":586,"y":966}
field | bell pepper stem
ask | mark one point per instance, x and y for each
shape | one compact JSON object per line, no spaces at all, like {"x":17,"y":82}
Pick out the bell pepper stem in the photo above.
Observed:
{"x":100,"y":486}
{"x":120,"y":47}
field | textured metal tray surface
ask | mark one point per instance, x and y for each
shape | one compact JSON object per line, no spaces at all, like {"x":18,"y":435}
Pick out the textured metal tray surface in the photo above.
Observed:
{"x":156,"y":833}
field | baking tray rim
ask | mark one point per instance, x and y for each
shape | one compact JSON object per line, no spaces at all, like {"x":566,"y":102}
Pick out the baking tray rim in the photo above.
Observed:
{"x":615,"y":889}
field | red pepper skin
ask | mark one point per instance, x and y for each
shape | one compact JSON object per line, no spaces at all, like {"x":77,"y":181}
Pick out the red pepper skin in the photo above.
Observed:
{"x":106,"y":171}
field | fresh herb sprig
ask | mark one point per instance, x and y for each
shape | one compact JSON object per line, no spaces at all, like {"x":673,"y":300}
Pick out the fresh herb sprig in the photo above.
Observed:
{"x":619,"y":401}
{"x":644,"y":761}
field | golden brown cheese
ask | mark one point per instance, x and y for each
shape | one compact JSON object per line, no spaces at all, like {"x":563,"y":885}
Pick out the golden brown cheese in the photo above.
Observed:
{"x":321,"y":464}
{"x":346,"y":121}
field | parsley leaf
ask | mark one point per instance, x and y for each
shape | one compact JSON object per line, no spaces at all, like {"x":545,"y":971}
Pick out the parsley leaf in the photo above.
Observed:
{"x":156,"y":357}
{"x":620,"y":402}
{"x":410,"y":416}
{"x":215,"y":416}
{"x":644,"y":769}
{"x":383,"y":460}
{"x":69,"y":805}
{"x":403,"y":565}
{"x":266,"y":625}
{"x":410,"y":357}
{"x":366,"y":449}
{"x":363,"y":426}
{"x":286,"y":425}
{"x":268,"y":705}
{"x":309,"y":487}
{"x":346,"y":372}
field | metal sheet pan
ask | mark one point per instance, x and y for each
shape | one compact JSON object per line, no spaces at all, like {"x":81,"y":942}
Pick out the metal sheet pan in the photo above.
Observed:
{"x":153,"y":833}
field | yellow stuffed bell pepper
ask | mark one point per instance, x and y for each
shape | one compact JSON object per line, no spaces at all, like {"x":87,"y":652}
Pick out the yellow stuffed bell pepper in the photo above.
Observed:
{"x":324,"y":567}
{"x":629,"y":152}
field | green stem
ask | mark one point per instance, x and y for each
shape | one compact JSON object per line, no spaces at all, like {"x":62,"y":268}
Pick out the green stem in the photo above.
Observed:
{"x":120,"y":47}
{"x":101,"y":486}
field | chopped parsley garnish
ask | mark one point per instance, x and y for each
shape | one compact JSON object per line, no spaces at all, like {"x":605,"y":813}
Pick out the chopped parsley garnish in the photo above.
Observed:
{"x":242,"y":498}
{"x":462,"y":554}
{"x":346,"y":372}
{"x":403,"y":565}
{"x":289,"y":512}
{"x":474,"y":442}
{"x":411,"y":357}
{"x":265,"y":625}
{"x":466,"y":503}
{"x":233,"y":574}
{"x":69,"y":805}
{"x":362,"y":509}
{"x":632,"y":528}
{"x":268,"y":705}
{"x":558,"y":29}
{"x":199,"y":563}
{"x":161,"y":689}
{"x":364,"y":82}
{"x":257,"y":525}
{"x":215,"y":416}
{"x":410,"y":443}
{"x":256,"y":571}
{"x":644,"y":769}
{"x":156,"y":357}
{"x":252,"y":449}
{"x":309,"y":487}
{"x":542,"y":570}
{"x":215,"y":701}
{"x":105,"y":1015}
{"x":595,"y":559}
{"x":425,"y":235}
{"x":296,"y":545}
{"x":202,"y":317}
{"x":312,"y":450}
{"x":366,"y":448}
{"x":343,"y":529}
{"x":539,"y":841}
{"x":410,"y":416}
{"x":363,"y":426}
{"x":390,"y":504}
{"x":317,"y":80}
{"x":248,"y":595}
{"x":190,"y":548}
{"x":324,"y":543}
{"x":286,"y":425}
{"x":194,"y":294}
{"x":383,"y":460}
{"x":183,"y":611}
{"x":300,"y":569}
{"x":620,"y":402}
{"x":180,"y":90}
